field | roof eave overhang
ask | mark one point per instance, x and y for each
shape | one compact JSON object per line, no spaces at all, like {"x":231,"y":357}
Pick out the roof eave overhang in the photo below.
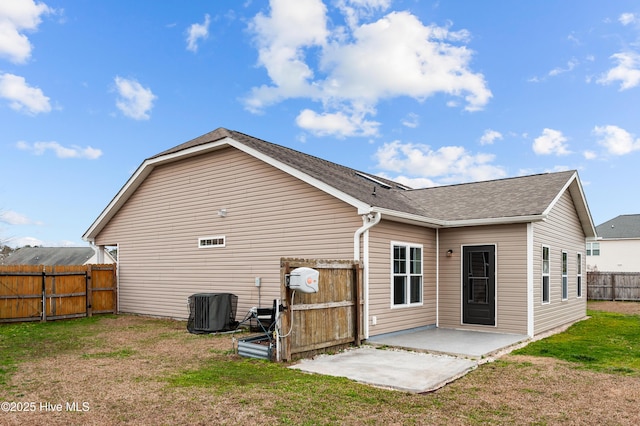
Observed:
{"x":150,"y":164}
{"x":440,"y":223}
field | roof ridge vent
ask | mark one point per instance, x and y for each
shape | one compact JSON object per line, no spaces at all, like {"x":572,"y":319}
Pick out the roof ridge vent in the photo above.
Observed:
{"x":374,"y":180}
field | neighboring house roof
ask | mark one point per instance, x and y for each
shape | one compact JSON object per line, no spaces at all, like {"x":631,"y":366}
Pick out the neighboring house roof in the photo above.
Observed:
{"x":623,"y":226}
{"x":50,"y":256}
{"x":522,"y":199}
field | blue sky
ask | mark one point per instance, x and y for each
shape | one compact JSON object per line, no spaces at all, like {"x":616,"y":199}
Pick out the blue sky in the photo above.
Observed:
{"x":424,"y":92}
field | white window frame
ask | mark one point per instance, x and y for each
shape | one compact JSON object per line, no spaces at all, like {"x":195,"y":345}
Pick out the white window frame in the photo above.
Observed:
{"x":579,"y":276}
{"x":217,"y":241}
{"x":564,"y":268}
{"x":546,"y":275}
{"x":407,"y":273}
{"x":592,"y":247}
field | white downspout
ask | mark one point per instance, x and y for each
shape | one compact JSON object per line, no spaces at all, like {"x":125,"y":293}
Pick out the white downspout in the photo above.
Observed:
{"x":369,"y":221}
{"x":437,"y":278}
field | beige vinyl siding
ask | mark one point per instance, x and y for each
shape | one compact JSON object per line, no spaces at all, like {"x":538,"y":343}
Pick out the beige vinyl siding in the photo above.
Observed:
{"x":390,"y":319}
{"x":270,"y":214}
{"x":561,"y":232}
{"x":511,"y":275}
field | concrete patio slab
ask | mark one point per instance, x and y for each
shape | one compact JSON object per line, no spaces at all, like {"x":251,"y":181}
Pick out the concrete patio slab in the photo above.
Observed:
{"x":414,"y":372}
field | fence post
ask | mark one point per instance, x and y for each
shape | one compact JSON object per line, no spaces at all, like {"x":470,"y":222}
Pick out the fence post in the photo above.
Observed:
{"x":89,"y":290}
{"x":43,"y":317}
{"x":285,"y":318}
{"x":613,"y":287}
{"x":355,"y":267}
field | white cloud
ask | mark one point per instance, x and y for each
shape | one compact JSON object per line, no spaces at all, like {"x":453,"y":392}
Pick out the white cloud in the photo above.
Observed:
{"x":349,"y":70}
{"x":490,"y":136}
{"x":14,"y":218}
{"x":627,"y":71}
{"x":570,"y":66}
{"x":21,"y":96}
{"x":336,"y":124}
{"x":17,"y":16}
{"x":589,"y":155}
{"x":447,"y":164}
{"x":616,"y":140}
{"x":627,"y":18}
{"x":551,"y":142}
{"x":355,"y":10}
{"x":197,"y":32}
{"x":411,"y":120}
{"x":39,"y":148}
{"x":135,"y":101}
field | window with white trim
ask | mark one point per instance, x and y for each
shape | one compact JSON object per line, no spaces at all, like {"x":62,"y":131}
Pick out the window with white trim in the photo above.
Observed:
{"x":565,"y":275}
{"x":406,"y":271}
{"x":579,"y":275}
{"x":211,"y":242}
{"x":593,"y":249}
{"x":546,"y":263}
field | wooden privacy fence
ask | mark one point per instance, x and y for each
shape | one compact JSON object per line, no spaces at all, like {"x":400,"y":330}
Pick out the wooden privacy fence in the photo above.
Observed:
{"x":43,"y":293}
{"x":330,"y":318}
{"x":624,"y":286}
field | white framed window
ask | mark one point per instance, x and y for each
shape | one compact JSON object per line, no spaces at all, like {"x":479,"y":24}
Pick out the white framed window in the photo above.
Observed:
{"x":212,"y":242}
{"x":565,"y":275}
{"x":406,"y":273}
{"x":579,"y":275}
{"x":546,"y":264}
{"x":593,"y":249}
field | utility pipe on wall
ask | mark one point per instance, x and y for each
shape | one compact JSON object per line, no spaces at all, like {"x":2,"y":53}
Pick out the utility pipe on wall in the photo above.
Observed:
{"x":369,"y":221}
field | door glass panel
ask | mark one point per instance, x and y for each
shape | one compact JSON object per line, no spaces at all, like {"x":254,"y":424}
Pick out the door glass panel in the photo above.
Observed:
{"x":478,"y":280}
{"x":478,"y":290}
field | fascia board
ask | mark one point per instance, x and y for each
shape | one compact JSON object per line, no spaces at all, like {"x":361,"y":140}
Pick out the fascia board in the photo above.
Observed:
{"x":439,"y":223}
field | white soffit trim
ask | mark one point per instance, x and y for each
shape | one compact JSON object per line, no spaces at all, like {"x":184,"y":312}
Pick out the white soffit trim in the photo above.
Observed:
{"x":574,"y":187}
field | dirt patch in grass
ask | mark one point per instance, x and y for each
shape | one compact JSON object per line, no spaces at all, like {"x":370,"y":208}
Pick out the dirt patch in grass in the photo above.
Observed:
{"x":629,"y":308}
{"x":122,"y":375}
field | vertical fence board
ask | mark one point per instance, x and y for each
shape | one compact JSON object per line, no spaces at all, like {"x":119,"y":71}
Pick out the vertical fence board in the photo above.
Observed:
{"x":623,"y":286}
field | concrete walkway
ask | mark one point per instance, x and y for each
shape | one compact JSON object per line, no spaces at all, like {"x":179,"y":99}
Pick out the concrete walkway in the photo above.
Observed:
{"x":414,"y":361}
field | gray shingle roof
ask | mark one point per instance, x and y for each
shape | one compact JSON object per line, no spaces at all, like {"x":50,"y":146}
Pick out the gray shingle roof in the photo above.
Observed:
{"x":514,"y":197}
{"x":345,"y":179}
{"x":623,"y":226}
{"x":519,"y":199}
{"x":50,"y":256}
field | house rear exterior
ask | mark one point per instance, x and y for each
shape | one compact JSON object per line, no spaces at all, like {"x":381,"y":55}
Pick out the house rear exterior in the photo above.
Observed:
{"x":218,"y":212}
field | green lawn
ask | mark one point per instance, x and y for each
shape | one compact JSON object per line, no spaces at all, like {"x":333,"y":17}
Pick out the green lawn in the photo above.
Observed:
{"x":608,"y":342}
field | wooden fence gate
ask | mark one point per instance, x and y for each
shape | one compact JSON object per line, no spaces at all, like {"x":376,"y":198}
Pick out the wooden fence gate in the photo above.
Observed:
{"x":330,"y":318}
{"x":43,"y":293}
